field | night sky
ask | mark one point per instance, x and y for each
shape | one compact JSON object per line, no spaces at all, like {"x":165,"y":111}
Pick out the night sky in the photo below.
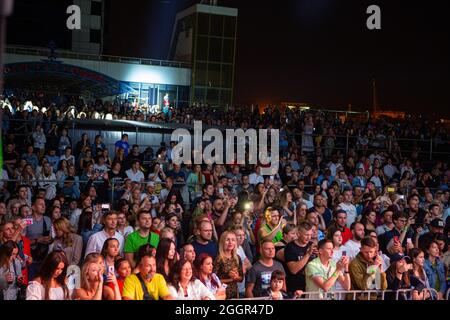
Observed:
{"x":314,"y":51}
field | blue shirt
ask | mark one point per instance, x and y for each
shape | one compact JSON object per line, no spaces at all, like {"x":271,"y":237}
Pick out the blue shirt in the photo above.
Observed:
{"x":54,"y":161}
{"x":123,"y":145}
{"x":210,"y":248}
{"x":436,"y":273}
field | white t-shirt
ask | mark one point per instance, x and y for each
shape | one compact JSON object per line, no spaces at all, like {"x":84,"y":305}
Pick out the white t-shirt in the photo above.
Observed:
{"x":136,"y":177}
{"x":352,"y":248}
{"x":351,"y":212}
{"x":196,"y":290}
{"x":36,"y":291}
{"x":96,"y":241}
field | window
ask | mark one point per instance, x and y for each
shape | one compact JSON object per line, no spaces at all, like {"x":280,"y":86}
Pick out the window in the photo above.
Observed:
{"x":95,"y":36}
{"x":212,"y":96}
{"x":202,"y":48}
{"x":216,"y":25}
{"x":230,"y":27}
{"x":213,"y":75}
{"x":227,"y":76}
{"x":200,"y":74}
{"x":96,"y":8}
{"x":228,"y":51}
{"x":199,"y":95}
{"x":203,"y":23}
{"x":215,"y":49}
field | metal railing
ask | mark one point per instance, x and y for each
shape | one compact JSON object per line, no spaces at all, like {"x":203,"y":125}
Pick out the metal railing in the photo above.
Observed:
{"x":37,"y":51}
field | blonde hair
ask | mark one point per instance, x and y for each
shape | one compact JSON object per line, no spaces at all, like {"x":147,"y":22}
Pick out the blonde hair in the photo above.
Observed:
{"x":221,"y":254}
{"x":63,"y":225}
{"x":84,"y":275}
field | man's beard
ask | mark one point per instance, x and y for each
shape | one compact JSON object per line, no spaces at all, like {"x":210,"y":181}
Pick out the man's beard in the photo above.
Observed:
{"x":357,"y":237}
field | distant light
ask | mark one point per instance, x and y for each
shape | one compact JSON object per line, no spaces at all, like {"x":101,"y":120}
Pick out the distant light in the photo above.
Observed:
{"x":108,"y":116}
{"x":96,"y":115}
{"x":44,"y":110}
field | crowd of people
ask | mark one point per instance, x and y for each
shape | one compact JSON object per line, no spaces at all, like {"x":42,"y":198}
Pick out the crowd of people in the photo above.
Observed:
{"x":80,"y":223}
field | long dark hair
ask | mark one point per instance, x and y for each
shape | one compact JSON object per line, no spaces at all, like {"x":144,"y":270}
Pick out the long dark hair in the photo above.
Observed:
{"x":85,"y":221}
{"x":198,"y":264}
{"x":414,"y":253}
{"x":161,"y":255}
{"x":391,"y":272}
{"x":105,"y":246}
{"x":175,"y":273}
{"x":6,"y":251}
{"x":48,"y":268}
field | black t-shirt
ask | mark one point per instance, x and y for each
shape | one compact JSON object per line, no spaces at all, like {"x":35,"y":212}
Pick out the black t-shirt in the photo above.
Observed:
{"x":294,"y":252}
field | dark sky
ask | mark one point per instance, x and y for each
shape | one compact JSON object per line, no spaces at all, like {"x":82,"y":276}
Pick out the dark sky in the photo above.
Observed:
{"x":315,"y":51}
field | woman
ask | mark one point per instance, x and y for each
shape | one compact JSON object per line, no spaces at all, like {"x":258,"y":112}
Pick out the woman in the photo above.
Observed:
{"x":204,"y":266}
{"x":183,"y":286}
{"x":63,"y":142}
{"x":110,"y":253}
{"x":120,"y":156}
{"x":122,"y":225}
{"x":397,"y":277}
{"x":287,"y":205}
{"x":307,"y":137}
{"x":97,"y":145}
{"x":28,"y":178}
{"x":108,"y":161}
{"x":67,"y":240}
{"x":418,"y":276}
{"x":228,"y":265}
{"x":83,"y":143}
{"x":335,"y":235}
{"x":62,"y":172}
{"x":123,"y":270}
{"x":157,"y":173}
{"x":91,"y":282}
{"x":55,"y":213}
{"x":173,"y":223}
{"x":47,"y":181}
{"x":195,"y":181}
{"x":166,"y":257}
{"x":368,"y":219}
{"x":50,"y":284}
{"x":435,"y":270}
{"x":11,"y":278}
{"x":88,"y":224}
{"x":239,"y":231}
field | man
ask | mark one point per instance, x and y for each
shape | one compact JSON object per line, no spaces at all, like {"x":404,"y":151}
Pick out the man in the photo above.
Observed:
{"x":245,"y":185}
{"x":140,"y":237}
{"x":359,"y":180}
{"x":413,"y":210}
{"x":68,"y":156}
{"x":340,"y":221}
{"x":123,"y":144}
{"x":390,"y":240}
{"x":290,"y":233}
{"x":96,"y":241}
{"x":316,"y":220}
{"x":258,"y":278}
{"x":297,"y":254}
{"x":320,"y":208}
{"x":147,"y":284}
{"x":135,"y":173}
{"x":176,"y":174}
{"x":134,"y":155}
{"x":353,"y":245}
{"x":334,"y":165}
{"x":24,"y":195}
{"x":221,"y":214}
{"x":256,"y":177}
{"x":322,"y":273}
{"x":365,"y":269}
{"x":152,"y":197}
{"x":387,"y":225}
{"x":436,"y":227}
{"x":272,"y":229}
{"x":375,"y":179}
{"x":203,"y":242}
{"x":30,"y":157}
{"x":39,"y":235}
{"x":168,"y":187}
{"x":348,"y":207}
{"x":53,"y":159}
{"x":390,"y":170}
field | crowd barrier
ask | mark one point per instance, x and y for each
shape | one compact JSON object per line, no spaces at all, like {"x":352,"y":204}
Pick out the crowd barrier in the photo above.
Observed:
{"x":354,"y":294}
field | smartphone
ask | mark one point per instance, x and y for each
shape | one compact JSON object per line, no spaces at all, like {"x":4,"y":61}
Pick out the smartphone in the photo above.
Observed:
{"x":401,"y":197}
{"x":272,"y":178}
{"x":344,"y":253}
{"x":409,"y":240}
{"x":221,"y":190}
{"x":106,"y":206}
{"x":28,"y":221}
{"x":396,"y":239}
{"x":391,"y":189}
{"x":111,"y":269}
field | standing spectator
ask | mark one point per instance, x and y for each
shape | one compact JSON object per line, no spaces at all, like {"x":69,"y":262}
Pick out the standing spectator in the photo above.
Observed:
{"x":123,"y":270}
{"x":184,"y":286}
{"x":123,"y":144}
{"x":353,"y":246}
{"x":297,"y":254}
{"x":387,"y":225}
{"x":135,"y":173}
{"x":256,"y":177}
{"x":39,"y":235}
{"x":147,"y":284}
{"x":228,"y":265}
{"x":67,"y":241}
{"x":418,"y":276}
{"x":11,"y":278}
{"x":95,"y":242}
{"x":435,"y":270}
{"x":140,"y":237}
{"x":349,"y":207}
{"x":50,"y":281}
{"x":340,"y":222}
{"x":91,"y":282}
{"x":203,"y":242}
{"x":272,"y":229}
{"x":47,"y":181}
{"x":204,"y":265}
{"x":97,"y":145}
{"x":323,"y":272}
{"x":39,"y":140}
{"x":64,"y":142}
{"x":166,"y":257}
{"x":259,"y":276}
{"x":321,"y":209}
{"x":365,"y":269}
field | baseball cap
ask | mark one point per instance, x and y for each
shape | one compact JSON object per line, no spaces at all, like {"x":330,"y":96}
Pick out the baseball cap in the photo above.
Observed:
{"x":398,"y":256}
{"x":437,"y":223}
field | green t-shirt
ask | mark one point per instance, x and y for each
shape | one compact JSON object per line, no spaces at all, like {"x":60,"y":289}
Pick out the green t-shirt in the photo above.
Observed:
{"x":278,"y":236}
{"x":135,"y":241}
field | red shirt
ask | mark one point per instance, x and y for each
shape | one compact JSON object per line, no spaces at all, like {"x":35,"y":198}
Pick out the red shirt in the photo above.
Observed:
{"x":120,"y":282}
{"x":346,"y":235}
{"x":27,"y":251}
